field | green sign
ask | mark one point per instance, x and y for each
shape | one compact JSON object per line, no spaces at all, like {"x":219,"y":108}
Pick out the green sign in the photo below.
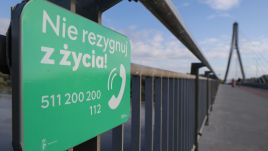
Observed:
{"x":75,"y":81}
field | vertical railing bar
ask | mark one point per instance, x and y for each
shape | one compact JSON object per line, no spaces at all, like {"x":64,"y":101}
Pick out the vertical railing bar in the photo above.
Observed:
{"x":171,"y":115}
{"x":200,"y":106}
{"x":203,"y":100}
{"x":210,"y":88}
{"x":211,"y":95}
{"x":188,"y":115}
{"x":158,"y":115}
{"x":176,"y":114}
{"x":136,"y":109}
{"x":206,"y":97}
{"x":193,"y":107}
{"x":181,"y":114}
{"x":207,"y":100}
{"x":149,"y":114}
{"x":185,"y":116}
{"x":201,"y":103}
{"x":189,"y":118}
{"x":193,"y":101}
{"x":165,"y":101}
{"x":191,"y":114}
{"x":117,"y":138}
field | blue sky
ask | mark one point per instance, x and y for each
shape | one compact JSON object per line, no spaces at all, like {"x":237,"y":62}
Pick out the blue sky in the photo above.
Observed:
{"x":210,"y":24}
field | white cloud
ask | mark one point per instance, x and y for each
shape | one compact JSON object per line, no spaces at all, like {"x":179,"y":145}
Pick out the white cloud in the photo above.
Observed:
{"x":4,"y":23}
{"x":220,"y":15}
{"x":152,"y":48}
{"x":259,"y":45}
{"x":186,"y":4}
{"x":221,"y":5}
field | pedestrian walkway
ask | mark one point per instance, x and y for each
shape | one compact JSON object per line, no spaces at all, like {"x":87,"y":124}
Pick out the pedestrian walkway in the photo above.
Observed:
{"x":239,"y":121}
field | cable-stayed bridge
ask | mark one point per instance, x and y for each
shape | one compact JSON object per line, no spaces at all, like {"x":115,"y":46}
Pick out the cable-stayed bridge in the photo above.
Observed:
{"x":167,"y":111}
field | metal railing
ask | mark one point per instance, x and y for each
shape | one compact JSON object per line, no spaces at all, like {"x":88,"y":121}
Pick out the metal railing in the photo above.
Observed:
{"x":261,"y":82}
{"x":162,"y":112}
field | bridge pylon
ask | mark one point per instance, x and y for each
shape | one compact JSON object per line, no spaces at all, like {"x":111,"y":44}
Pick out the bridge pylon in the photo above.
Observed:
{"x":235,"y":46}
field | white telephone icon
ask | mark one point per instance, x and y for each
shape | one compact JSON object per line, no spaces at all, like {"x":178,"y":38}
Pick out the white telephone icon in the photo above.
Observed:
{"x":115,"y":101}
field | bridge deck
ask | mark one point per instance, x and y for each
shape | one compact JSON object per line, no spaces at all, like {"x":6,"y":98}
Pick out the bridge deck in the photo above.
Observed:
{"x":239,"y":121}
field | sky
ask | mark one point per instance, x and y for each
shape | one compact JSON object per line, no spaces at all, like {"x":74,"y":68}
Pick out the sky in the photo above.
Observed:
{"x":208,"y":21}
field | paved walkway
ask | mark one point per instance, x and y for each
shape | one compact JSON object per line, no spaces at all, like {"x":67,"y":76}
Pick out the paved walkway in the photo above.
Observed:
{"x":239,"y":121}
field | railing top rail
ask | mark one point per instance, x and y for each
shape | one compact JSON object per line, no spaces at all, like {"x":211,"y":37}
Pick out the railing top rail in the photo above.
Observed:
{"x":156,"y":72}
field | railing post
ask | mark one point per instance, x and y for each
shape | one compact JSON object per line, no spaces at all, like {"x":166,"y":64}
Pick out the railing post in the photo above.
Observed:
{"x":192,"y":113}
{"x":208,"y":96}
{"x":213,"y":76}
{"x":94,"y":15}
{"x":13,"y":34}
{"x":94,"y":143}
{"x":136,"y":111}
{"x":3,"y":56}
{"x":187,"y":115}
{"x":195,"y":71}
{"x":117,"y":138}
